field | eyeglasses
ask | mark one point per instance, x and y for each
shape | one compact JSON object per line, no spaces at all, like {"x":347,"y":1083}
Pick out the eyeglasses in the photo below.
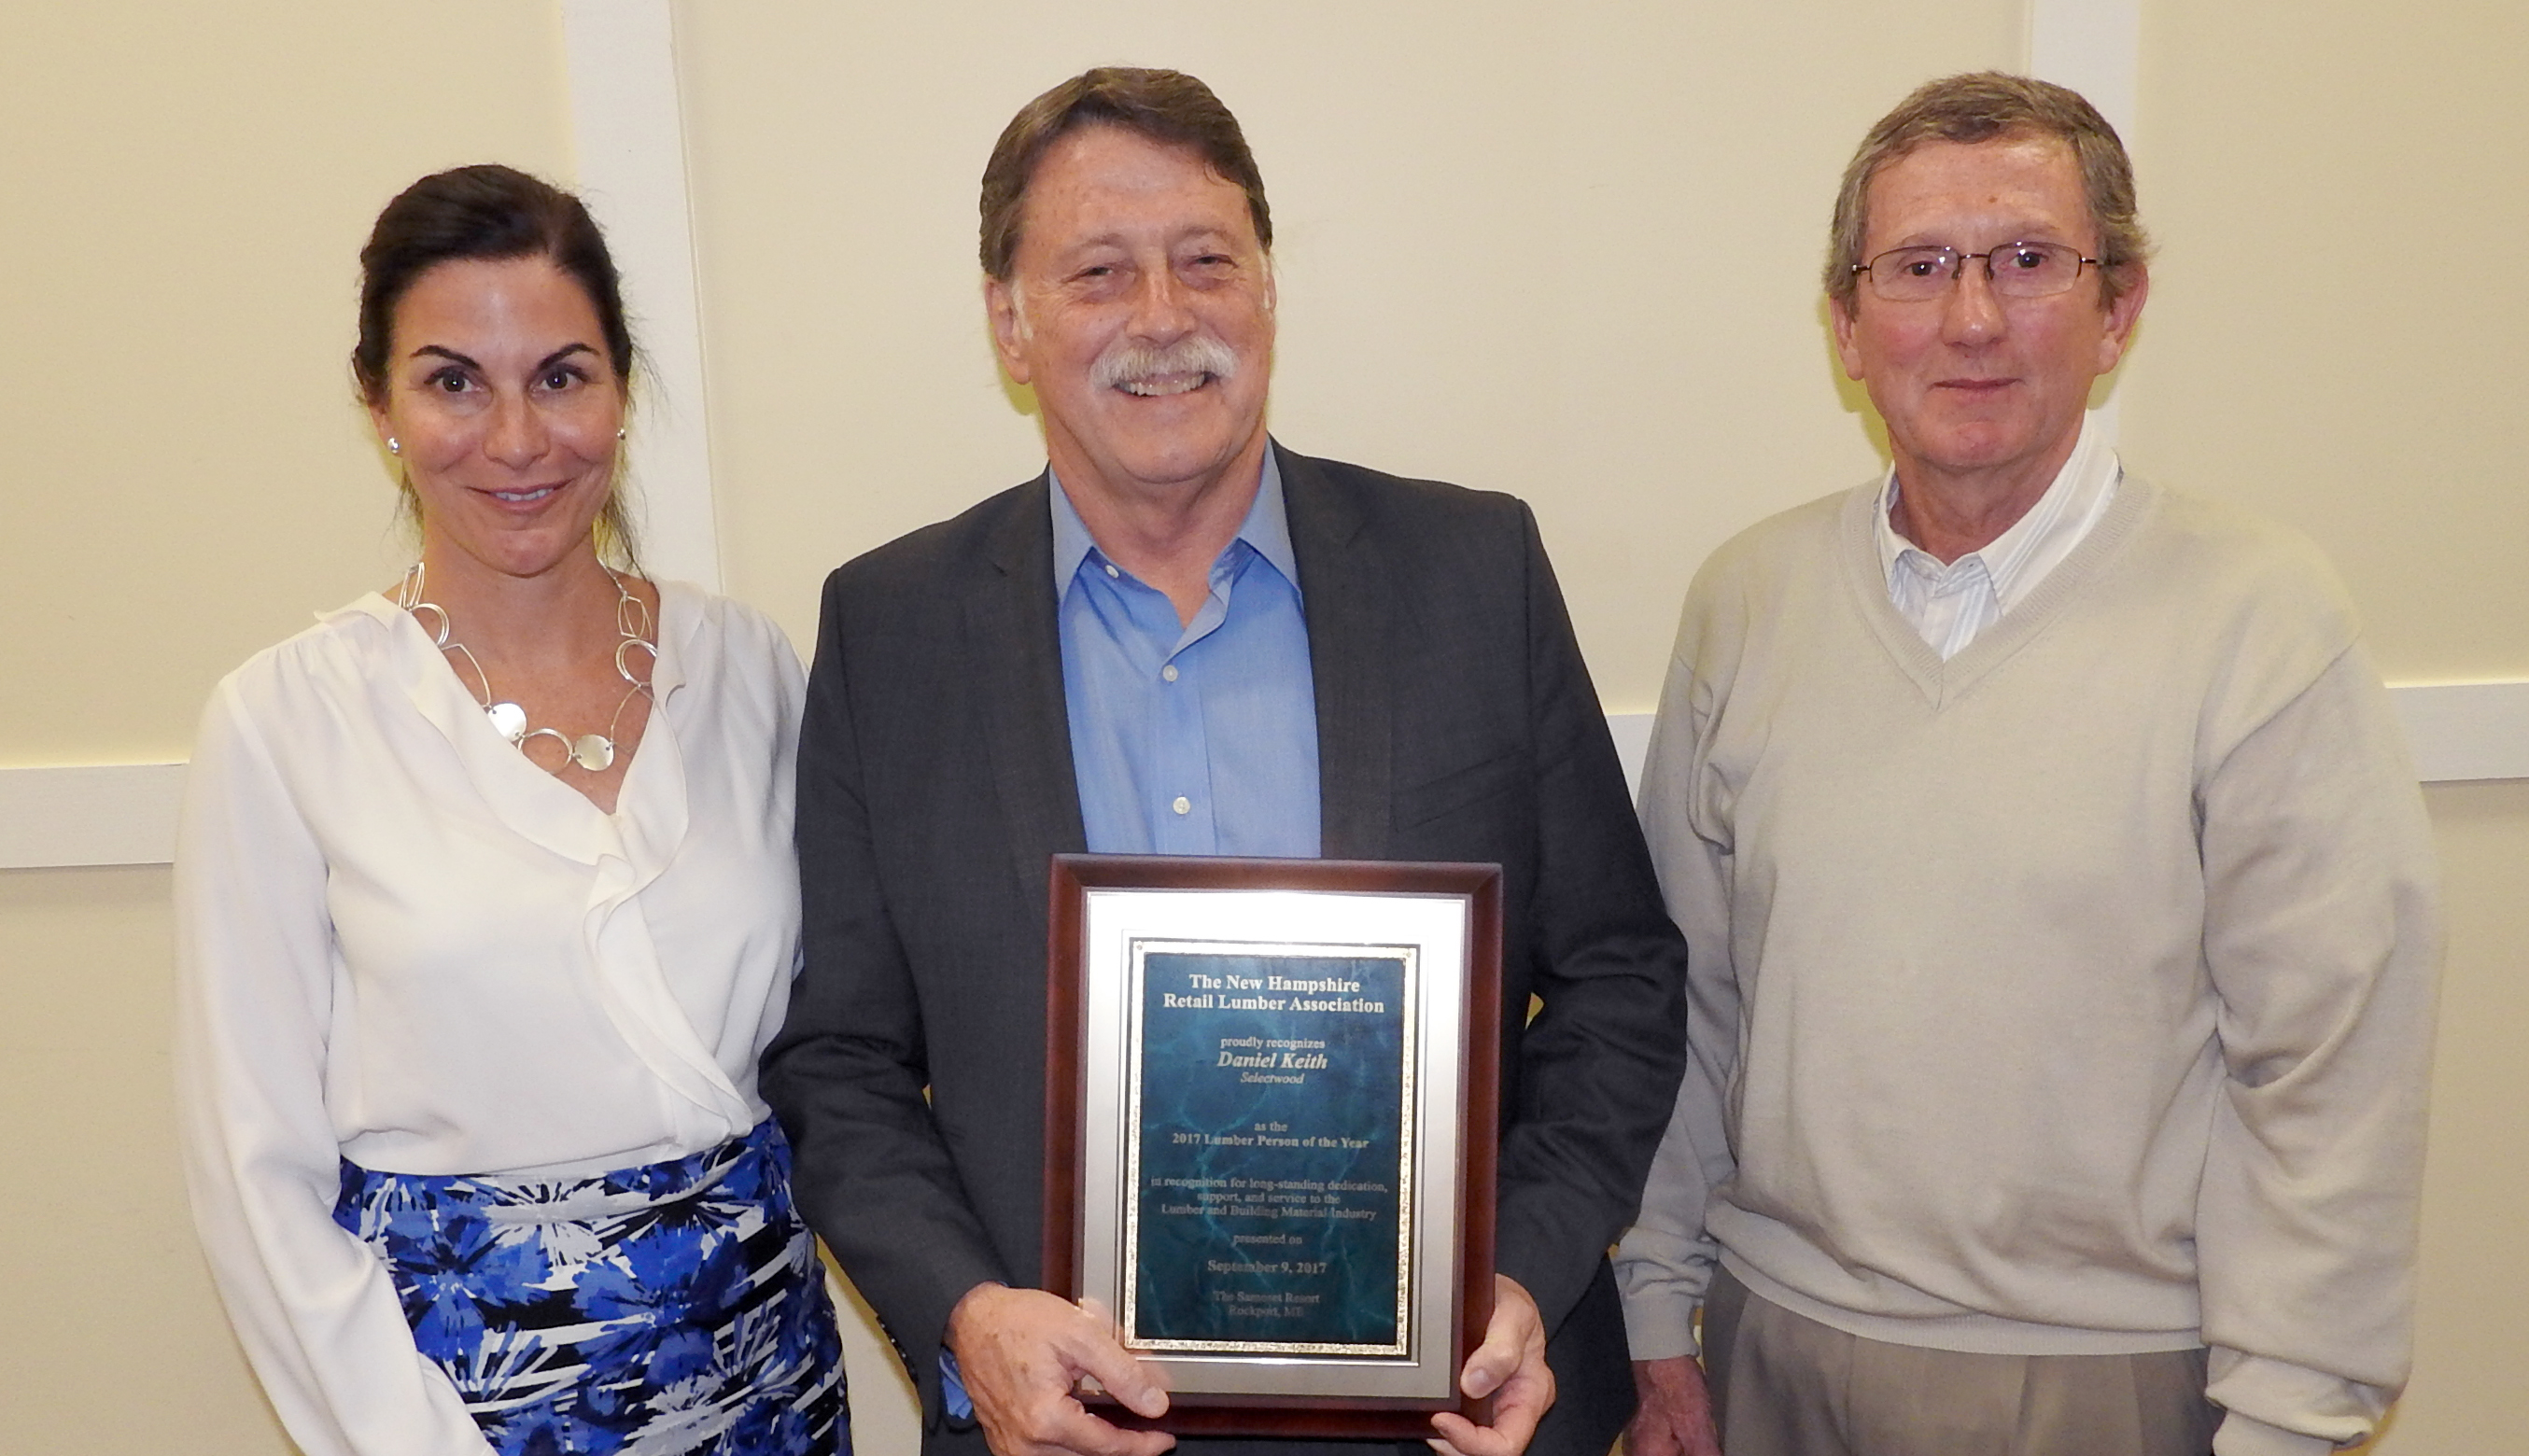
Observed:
{"x":2017,"y":270}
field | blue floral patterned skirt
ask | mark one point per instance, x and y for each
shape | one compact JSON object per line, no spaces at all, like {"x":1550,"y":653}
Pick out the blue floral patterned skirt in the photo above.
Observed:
{"x":676,"y":1307}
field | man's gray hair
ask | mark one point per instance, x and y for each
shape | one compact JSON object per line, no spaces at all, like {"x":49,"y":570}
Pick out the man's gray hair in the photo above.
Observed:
{"x":1984,"y":106}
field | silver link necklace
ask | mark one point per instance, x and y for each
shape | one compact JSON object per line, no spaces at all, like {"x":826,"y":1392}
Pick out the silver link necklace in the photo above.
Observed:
{"x":594,"y":752}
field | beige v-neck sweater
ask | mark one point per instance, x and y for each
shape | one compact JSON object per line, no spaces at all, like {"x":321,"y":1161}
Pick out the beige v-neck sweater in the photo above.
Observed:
{"x":2073,"y":995}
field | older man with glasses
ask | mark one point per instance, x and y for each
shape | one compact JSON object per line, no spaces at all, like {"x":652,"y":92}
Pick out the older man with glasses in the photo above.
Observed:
{"x":2059,"y":899}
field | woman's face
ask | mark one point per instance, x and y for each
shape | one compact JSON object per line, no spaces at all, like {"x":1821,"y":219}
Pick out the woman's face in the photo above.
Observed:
{"x":504,"y":408}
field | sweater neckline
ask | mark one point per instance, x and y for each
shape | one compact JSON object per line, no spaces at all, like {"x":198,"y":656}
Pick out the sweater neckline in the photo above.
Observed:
{"x":1943,"y":683}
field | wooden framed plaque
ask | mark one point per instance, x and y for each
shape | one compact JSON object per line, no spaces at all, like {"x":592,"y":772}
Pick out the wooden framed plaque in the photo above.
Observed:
{"x":1270,"y":1092}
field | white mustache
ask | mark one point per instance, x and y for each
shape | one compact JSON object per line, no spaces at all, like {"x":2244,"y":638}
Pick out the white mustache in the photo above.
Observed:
{"x":1128,"y":363}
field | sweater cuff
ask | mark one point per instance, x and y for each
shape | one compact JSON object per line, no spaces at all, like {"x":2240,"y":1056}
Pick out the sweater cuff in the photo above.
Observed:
{"x":2246,"y":1435}
{"x":1660,"y":1326}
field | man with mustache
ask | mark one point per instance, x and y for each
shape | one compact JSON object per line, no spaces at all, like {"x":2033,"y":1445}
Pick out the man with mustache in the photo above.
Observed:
{"x":1184,"y":638}
{"x":2060,"y":896}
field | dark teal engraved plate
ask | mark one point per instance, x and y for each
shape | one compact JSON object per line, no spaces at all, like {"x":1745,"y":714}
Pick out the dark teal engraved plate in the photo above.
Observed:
{"x":1270,"y":1100}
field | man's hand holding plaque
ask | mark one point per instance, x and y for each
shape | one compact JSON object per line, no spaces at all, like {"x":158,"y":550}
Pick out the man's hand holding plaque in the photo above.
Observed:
{"x":1026,"y":1355}
{"x":1023,"y":1353}
{"x":1510,"y":1367}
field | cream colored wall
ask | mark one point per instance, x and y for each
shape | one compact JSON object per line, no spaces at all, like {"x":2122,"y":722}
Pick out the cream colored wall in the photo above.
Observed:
{"x":2334,"y":338}
{"x":2335,"y":333}
{"x":182,"y":479}
{"x":113,"y":1341}
{"x":1566,"y":250}
{"x":2471,"y":1342}
{"x":186,"y":188}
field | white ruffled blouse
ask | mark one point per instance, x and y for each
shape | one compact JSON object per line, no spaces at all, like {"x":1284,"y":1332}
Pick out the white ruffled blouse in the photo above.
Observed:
{"x":400,"y":941}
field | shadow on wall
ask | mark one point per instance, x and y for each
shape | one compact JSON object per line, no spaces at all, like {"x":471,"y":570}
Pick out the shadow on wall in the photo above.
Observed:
{"x":1848,"y":393}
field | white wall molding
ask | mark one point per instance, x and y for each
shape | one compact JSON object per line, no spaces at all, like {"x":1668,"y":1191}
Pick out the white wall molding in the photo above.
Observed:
{"x":2094,"y":47}
{"x":2457,"y":732}
{"x":124,"y":814}
{"x":628,"y":131}
{"x":2461,"y":732}
{"x":103,"y":814}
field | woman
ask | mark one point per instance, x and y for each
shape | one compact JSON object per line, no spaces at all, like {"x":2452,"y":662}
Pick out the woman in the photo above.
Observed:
{"x":486,"y":905}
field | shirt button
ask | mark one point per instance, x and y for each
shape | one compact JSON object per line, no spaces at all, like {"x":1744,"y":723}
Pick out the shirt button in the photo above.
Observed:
{"x":1111,"y":570}
{"x":1183,"y":805}
{"x":1169,"y":672}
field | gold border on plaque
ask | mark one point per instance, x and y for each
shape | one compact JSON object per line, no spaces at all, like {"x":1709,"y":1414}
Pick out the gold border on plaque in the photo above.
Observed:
{"x":1410,"y":1052}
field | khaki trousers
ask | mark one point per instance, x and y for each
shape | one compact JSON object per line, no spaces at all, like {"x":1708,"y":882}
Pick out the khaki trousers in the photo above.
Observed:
{"x":1784,"y":1384}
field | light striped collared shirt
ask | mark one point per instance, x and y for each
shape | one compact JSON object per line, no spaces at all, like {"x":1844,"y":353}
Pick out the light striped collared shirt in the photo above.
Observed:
{"x":1949,"y":605}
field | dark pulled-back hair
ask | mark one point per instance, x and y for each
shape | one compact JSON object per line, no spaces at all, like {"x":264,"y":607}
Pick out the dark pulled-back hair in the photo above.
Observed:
{"x":1168,"y":107}
{"x":1990,"y":106}
{"x":488,"y":213}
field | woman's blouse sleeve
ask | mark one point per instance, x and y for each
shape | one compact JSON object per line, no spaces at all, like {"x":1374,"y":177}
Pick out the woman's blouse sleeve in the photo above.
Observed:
{"x":314,"y":1309}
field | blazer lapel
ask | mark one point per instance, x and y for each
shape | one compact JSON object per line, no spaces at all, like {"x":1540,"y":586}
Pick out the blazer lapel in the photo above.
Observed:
{"x":1345,"y":595}
{"x":1017,"y":644}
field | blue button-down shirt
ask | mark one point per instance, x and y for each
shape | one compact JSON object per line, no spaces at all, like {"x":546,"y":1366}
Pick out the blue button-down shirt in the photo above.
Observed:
{"x":1200,"y":738}
{"x":1192,"y":739}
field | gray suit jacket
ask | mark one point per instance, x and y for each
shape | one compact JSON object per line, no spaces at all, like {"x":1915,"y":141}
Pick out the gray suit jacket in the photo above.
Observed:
{"x":1455,"y":722}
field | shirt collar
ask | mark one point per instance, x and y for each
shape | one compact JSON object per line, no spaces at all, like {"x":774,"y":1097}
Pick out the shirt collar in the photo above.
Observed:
{"x":2072,"y":502}
{"x":1266,"y":528}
